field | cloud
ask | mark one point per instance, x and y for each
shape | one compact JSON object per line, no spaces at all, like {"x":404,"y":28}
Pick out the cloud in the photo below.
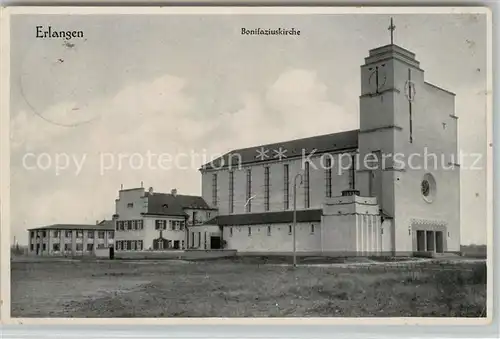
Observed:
{"x":148,"y":119}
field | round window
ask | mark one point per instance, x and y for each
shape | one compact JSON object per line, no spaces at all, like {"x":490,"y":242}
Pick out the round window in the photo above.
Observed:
{"x":428,"y":187}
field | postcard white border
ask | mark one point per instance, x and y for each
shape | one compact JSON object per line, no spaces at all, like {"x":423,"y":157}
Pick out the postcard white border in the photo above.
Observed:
{"x":5,"y":161}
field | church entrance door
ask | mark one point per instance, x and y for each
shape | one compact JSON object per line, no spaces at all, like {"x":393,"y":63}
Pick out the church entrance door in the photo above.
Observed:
{"x":430,"y":241}
{"x":439,"y":242}
{"x":421,"y":241}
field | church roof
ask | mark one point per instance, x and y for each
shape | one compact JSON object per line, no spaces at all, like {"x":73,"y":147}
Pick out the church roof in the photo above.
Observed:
{"x":293,"y":148}
{"x":283,"y":217}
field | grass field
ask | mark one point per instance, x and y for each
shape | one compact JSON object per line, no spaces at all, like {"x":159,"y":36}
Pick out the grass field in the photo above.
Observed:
{"x":247,"y":287}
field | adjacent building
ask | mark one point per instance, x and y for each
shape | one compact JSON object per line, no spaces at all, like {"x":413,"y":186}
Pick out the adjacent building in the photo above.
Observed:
{"x":148,"y":220}
{"x":71,"y":239}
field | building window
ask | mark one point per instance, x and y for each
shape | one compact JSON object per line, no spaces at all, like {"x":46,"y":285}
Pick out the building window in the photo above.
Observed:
{"x":55,"y":234}
{"x":268,"y":230}
{"x":141,"y":225}
{"x":56,"y":247}
{"x":124,"y":245}
{"x":139,"y":245}
{"x":286,"y":186}
{"x":32,"y":234}
{"x":328,"y":177}
{"x":182,"y":225}
{"x":67,"y":247}
{"x":130,"y":205}
{"x":306,"y":185}
{"x":266,"y":188}
{"x":44,"y":234}
{"x":68,"y":234}
{"x":111,"y":235}
{"x":289,"y":229}
{"x":79,"y":234}
{"x":118,"y":245}
{"x":132,"y":245}
{"x":352,"y":173}
{"x":249,"y":231}
{"x":90,"y":247}
{"x":199,"y":239}
{"x":162,"y":224}
{"x":177,"y":225}
{"x":312,"y":228}
{"x":79,"y":247}
{"x":249,"y":191}
{"x":90,"y":234}
{"x":100,"y":235}
{"x":231,"y":192}
{"x":32,"y":247}
{"x":44,"y":247}
{"x":214,"y":189}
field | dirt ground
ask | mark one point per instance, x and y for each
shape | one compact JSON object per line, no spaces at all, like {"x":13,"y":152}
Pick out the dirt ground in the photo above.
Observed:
{"x":253,"y":287}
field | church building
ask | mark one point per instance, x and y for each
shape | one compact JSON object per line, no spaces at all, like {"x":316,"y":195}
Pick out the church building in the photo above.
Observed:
{"x":391,"y":187}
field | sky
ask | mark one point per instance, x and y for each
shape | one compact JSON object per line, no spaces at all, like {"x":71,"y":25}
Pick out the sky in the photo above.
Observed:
{"x":192,"y":84}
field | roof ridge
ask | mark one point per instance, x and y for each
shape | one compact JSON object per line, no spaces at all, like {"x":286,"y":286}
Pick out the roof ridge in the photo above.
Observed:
{"x":293,"y":140}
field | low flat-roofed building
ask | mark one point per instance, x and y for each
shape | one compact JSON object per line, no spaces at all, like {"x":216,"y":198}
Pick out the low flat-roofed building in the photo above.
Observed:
{"x":71,"y":239}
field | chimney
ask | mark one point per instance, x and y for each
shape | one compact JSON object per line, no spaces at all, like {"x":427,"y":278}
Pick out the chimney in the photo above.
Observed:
{"x":121,"y":187}
{"x":97,"y":222}
{"x":174,"y":192}
{"x":142,"y":184}
{"x":150,"y":191}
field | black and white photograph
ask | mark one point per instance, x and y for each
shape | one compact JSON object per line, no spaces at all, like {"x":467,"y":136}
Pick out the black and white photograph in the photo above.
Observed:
{"x":247,"y":163}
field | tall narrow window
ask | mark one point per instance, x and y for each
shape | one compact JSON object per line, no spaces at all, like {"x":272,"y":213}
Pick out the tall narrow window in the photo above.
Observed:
{"x":248,"y":204}
{"x":214,"y":189}
{"x":328,"y":177}
{"x":352,"y":173}
{"x":286,"y":186}
{"x":268,"y":230}
{"x":306,"y":185}
{"x":249,"y":231}
{"x":231,"y":192}
{"x":266,"y":188}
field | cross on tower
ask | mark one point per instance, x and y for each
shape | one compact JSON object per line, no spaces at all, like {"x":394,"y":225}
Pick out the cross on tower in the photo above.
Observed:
{"x":392,"y":28}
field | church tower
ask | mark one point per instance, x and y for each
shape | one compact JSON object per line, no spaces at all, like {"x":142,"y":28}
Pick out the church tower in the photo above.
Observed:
{"x":404,"y":122}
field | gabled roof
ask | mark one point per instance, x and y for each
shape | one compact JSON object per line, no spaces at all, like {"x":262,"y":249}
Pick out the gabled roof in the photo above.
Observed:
{"x":104,"y":225}
{"x":173,"y":205}
{"x":294,"y":148}
{"x":266,"y":218}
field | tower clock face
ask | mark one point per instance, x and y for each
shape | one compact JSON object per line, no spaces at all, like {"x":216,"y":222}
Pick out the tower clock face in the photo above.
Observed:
{"x":378,"y":77}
